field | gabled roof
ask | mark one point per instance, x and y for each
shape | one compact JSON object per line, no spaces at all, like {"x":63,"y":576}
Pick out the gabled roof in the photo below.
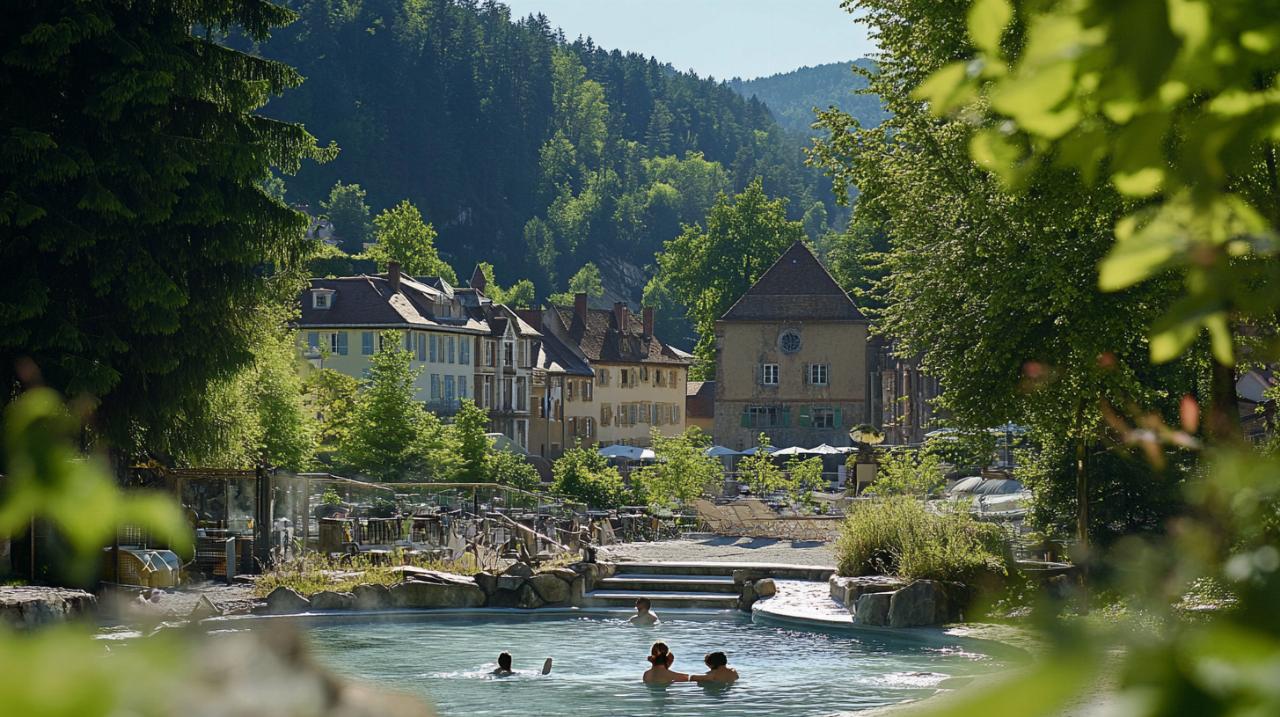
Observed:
{"x":601,"y":339}
{"x":796,"y":288}
{"x":700,"y":399}
{"x":367,"y":300}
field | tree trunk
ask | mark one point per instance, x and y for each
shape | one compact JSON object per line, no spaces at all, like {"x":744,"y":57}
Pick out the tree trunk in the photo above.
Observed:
{"x":1082,"y":496}
{"x":1223,"y":425}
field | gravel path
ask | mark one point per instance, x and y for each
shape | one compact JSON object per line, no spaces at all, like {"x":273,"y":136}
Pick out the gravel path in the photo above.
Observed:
{"x":719,"y":549}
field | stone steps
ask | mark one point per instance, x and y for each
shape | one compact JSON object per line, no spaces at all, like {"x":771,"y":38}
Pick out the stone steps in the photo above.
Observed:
{"x":663,"y":599}
{"x":643,"y":582}
{"x":781,"y":572}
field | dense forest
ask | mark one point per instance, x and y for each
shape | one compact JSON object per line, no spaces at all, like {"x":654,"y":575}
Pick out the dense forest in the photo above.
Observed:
{"x":520,"y":147}
{"x":792,"y":96}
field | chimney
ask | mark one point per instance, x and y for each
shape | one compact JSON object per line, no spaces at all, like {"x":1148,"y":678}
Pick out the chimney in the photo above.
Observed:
{"x":534,"y":319}
{"x":647,"y":315}
{"x":580,"y":306}
{"x":393,"y":276}
{"x":620,"y":314}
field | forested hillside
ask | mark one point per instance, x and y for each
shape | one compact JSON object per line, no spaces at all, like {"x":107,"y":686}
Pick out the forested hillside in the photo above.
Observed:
{"x":791,"y":96}
{"x":523,"y":149}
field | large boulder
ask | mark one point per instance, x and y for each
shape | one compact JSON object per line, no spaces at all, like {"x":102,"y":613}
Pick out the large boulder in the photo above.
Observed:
{"x":488,"y":582}
{"x":29,"y":606}
{"x":529,"y":598}
{"x":923,"y":602}
{"x":749,"y":575}
{"x":509,"y":582}
{"x":551,"y":588}
{"x":330,"y":600}
{"x":372,"y":596}
{"x":519,"y":570}
{"x":765,"y":587}
{"x":872,"y":609}
{"x":286,"y":601}
{"x":564,"y":574}
{"x":847,"y":590}
{"x":415,"y":594}
{"x":504,"y":598}
{"x":746,"y":596}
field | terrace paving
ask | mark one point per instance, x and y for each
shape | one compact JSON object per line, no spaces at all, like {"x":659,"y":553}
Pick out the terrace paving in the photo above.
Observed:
{"x":721,"y":549}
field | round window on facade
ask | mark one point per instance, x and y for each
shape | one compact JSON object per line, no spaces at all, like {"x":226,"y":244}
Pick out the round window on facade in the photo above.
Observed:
{"x":789,"y":342}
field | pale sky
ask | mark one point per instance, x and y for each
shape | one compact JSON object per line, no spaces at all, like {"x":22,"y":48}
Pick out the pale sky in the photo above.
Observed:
{"x":722,"y":38}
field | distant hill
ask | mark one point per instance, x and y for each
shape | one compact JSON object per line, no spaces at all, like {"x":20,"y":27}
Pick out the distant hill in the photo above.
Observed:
{"x":791,"y":96}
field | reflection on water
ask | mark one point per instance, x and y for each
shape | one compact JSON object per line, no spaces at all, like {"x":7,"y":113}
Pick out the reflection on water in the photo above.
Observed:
{"x":598,"y":664}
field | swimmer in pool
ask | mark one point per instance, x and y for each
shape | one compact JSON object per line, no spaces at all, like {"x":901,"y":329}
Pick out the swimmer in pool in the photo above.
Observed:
{"x":718,"y":670}
{"x":504,"y":666}
{"x":660,"y":673}
{"x":644,"y":616}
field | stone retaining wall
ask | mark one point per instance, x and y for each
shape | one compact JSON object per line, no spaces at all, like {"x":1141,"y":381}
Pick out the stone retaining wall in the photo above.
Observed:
{"x":30,"y":606}
{"x":519,"y":587}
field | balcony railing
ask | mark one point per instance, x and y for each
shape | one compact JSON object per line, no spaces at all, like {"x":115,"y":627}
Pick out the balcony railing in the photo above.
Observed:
{"x":444,"y":407}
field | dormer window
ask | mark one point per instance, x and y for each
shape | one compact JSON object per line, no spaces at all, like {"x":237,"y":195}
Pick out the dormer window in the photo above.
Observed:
{"x":322,"y":298}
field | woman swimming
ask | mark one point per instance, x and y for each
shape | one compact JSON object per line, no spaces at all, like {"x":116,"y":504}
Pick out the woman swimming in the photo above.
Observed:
{"x":660,"y":673}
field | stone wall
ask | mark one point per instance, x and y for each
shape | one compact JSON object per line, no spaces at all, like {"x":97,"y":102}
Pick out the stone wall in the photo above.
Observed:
{"x":30,"y":606}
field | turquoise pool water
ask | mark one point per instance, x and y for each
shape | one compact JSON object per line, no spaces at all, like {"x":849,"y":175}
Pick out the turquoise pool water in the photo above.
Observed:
{"x":599,"y":660}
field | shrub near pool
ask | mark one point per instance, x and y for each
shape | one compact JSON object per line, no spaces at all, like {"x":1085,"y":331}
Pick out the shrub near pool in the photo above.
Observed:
{"x":901,"y":536}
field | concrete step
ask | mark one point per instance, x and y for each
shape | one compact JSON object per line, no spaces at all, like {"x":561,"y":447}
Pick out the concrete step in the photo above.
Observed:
{"x":627,"y":598}
{"x":784,"y":572}
{"x":642,"y":582}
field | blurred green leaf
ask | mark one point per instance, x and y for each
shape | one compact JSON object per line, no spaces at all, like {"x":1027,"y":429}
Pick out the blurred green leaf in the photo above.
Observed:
{"x":987,"y":21}
{"x":946,"y":89}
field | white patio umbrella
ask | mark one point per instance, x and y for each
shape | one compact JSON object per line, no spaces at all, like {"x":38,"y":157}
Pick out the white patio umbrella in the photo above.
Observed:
{"x":792,"y":451}
{"x":719,"y":452}
{"x":824,"y":450}
{"x":756,"y":449}
{"x":630,"y":453}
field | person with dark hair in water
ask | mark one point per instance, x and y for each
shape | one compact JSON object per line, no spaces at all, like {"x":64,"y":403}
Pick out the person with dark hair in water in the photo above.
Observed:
{"x":644,"y":615}
{"x":718,"y":670}
{"x":660,"y":672}
{"x":504,"y":666}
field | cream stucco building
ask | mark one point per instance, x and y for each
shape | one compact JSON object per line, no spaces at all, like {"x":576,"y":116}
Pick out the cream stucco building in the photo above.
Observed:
{"x":638,"y":381}
{"x":791,"y":359}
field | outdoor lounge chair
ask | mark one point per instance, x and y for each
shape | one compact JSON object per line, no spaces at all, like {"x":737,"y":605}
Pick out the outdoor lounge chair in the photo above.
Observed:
{"x":718,"y":518}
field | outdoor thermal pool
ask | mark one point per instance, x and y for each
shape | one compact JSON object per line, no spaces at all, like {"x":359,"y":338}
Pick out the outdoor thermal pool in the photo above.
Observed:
{"x":599,"y":660}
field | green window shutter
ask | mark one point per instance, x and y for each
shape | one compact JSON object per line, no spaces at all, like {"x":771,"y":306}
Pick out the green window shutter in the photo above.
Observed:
{"x":746,"y":419}
{"x":839,"y":419}
{"x":805,"y":417}
{"x":786,"y":417}
{"x":342,"y":343}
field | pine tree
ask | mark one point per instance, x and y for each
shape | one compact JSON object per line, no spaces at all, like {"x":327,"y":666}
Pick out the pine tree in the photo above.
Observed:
{"x":134,"y":227}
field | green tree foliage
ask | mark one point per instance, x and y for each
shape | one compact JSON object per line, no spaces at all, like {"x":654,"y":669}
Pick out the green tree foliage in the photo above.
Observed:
{"x":391,"y":436}
{"x":914,"y":473}
{"x":349,"y":215}
{"x":804,"y":476}
{"x":332,"y":396}
{"x":508,"y":468}
{"x":964,"y":249}
{"x":712,"y":267}
{"x":520,"y":295}
{"x":585,"y":475}
{"x":794,"y":96}
{"x":681,"y":473}
{"x":759,"y":472}
{"x":135,"y":222}
{"x":526,"y":150}
{"x":404,"y":237}
{"x":965,"y":450}
{"x":855,"y":257}
{"x":470,"y":427}
{"x":587,"y":281}
{"x":1184,"y":129}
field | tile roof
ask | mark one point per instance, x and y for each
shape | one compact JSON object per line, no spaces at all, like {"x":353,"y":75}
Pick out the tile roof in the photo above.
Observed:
{"x":367,"y":300}
{"x":599,"y":338}
{"x":796,"y":288}
{"x":700,"y":399}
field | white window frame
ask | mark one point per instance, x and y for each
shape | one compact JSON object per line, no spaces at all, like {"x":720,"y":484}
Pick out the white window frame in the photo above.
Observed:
{"x":819,"y":374}
{"x":768,"y":371}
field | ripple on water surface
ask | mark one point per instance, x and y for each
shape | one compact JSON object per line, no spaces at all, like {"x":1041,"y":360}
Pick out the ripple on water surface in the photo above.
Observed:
{"x":598,"y":663}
